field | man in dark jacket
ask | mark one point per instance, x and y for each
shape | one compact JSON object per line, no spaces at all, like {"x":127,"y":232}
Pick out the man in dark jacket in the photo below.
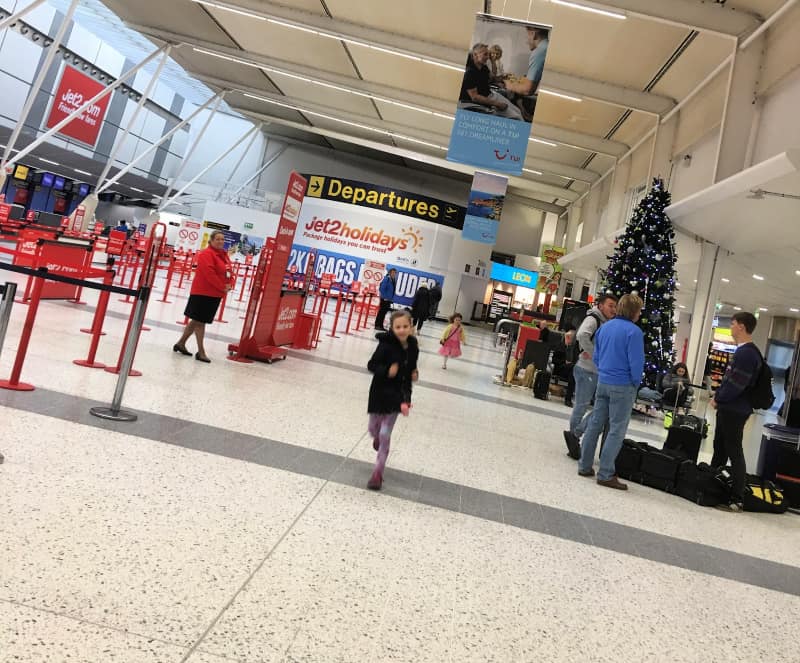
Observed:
{"x":386,"y":292}
{"x":733,"y":407}
{"x":436,"y":297}
{"x":421,"y":306}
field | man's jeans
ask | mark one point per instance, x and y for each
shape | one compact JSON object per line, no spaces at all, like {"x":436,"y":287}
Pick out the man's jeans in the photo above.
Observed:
{"x":613,"y":404}
{"x":585,"y":385}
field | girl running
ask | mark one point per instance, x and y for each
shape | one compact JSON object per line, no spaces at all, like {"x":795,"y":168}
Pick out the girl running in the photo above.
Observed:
{"x":394,"y":368}
{"x":452,"y":338}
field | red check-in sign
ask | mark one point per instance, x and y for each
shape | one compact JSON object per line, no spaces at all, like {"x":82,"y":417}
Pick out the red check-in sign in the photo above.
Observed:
{"x":74,"y":90}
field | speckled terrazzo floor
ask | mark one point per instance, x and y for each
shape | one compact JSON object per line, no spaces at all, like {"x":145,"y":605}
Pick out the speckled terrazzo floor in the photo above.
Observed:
{"x":230,"y":522}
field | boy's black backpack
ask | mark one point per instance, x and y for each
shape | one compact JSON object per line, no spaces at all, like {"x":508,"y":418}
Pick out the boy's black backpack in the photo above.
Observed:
{"x":760,"y":394}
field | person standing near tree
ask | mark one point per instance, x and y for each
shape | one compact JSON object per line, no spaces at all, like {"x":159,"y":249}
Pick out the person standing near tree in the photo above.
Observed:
{"x":386,"y":291}
{"x":733,"y":407}
{"x":585,"y":372}
{"x":619,"y":356}
{"x":421,"y":306}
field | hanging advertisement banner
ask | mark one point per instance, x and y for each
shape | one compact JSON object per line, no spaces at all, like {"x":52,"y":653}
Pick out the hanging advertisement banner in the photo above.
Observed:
{"x":549,"y":269}
{"x":73,"y":91}
{"x":485,"y":206}
{"x":499,"y":90}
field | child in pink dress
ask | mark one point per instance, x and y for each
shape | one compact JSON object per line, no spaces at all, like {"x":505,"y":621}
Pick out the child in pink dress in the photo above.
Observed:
{"x":452,"y":338}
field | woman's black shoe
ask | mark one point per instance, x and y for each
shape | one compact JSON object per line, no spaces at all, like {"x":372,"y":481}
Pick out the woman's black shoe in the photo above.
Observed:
{"x":205,"y":360}
{"x":181,"y":349}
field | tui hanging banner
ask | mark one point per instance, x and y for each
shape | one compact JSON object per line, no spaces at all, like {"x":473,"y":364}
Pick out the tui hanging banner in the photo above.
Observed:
{"x":499,"y":91}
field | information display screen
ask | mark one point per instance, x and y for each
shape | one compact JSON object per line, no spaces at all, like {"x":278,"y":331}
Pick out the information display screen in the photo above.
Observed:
{"x":47,"y":180}
{"x":58,"y":183}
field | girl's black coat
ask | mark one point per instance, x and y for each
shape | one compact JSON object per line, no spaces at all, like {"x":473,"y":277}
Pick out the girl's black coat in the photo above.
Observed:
{"x":385,"y":393}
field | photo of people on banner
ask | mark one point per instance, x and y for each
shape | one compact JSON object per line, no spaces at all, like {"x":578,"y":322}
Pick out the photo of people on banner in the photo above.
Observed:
{"x":499,"y":89}
{"x":550,"y":271}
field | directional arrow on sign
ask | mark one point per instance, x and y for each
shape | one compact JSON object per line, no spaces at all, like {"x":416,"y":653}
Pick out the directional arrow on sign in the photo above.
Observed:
{"x":315,"y":186}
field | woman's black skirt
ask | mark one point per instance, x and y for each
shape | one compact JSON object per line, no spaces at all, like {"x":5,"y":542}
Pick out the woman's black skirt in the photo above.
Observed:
{"x":202,"y":308}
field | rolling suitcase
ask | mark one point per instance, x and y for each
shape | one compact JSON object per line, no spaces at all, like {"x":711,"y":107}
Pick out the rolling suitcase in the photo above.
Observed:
{"x":687,"y":431}
{"x":541,"y":385}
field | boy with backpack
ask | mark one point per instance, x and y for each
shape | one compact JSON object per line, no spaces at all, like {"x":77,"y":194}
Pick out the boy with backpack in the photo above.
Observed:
{"x":747,"y":384}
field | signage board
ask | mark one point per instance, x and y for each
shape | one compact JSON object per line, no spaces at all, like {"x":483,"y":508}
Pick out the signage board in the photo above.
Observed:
{"x":74,"y":89}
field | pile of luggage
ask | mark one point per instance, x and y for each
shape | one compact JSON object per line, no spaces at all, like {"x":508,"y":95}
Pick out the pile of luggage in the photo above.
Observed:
{"x":674,"y":471}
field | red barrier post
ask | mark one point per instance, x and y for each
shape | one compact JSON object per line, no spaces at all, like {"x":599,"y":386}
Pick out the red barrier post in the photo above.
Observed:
{"x":244,"y":282}
{"x":97,"y":325}
{"x":350,"y":316}
{"x":127,"y":299}
{"x":170,"y":270}
{"x":336,"y":316}
{"x":222,"y":310}
{"x":13,"y":382}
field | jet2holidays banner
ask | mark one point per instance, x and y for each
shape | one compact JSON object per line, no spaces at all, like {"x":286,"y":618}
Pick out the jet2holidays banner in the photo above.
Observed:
{"x":358,"y":243}
{"x":499,"y":91}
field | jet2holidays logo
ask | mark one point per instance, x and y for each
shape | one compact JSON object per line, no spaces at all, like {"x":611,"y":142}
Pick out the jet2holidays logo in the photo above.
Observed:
{"x":363,"y":236}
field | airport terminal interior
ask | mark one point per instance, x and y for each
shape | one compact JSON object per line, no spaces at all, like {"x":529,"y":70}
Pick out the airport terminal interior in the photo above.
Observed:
{"x":218,"y":509}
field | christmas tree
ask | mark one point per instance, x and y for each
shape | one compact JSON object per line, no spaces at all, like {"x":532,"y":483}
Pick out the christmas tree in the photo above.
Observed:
{"x":644,"y":264}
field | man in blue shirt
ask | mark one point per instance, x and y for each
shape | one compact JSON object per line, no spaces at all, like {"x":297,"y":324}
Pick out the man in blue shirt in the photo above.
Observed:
{"x":733,"y":406}
{"x":386,"y":293}
{"x":619,"y":356}
{"x":538,"y":41}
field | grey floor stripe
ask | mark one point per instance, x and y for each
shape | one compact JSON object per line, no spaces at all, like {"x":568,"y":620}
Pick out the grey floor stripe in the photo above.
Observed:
{"x":446,"y":495}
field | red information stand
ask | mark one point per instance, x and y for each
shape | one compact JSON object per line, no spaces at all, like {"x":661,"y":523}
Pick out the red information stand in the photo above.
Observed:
{"x":271,"y":313}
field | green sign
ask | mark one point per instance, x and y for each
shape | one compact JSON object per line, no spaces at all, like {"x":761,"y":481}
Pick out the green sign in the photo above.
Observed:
{"x":248,"y":226}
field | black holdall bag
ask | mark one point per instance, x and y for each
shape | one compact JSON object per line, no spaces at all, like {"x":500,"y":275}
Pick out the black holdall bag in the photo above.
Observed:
{"x":629,"y":460}
{"x":660,"y":468}
{"x":703,"y":484}
{"x":684,"y":439}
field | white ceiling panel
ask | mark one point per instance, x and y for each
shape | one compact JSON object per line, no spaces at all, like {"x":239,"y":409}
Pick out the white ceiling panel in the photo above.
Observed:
{"x":411,"y":118}
{"x":350,"y":130}
{"x":447,"y":22}
{"x":268,"y":39}
{"x":324,"y":96}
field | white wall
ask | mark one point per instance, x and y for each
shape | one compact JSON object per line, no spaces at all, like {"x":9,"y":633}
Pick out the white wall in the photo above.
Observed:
{"x":520,"y":228}
{"x":265,"y":224}
{"x":697,"y":173}
{"x":779,"y":129}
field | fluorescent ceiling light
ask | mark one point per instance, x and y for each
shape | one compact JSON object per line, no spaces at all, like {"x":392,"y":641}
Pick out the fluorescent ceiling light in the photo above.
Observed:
{"x":758,"y":277}
{"x":54,"y":163}
{"x":593,"y":10}
{"x":678,"y":284}
{"x":543,"y":142}
{"x":233,"y":10}
{"x":681,"y":306}
{"x":532,"y":172}
{"x":724,"y":280}
{"x":737,"y":308}
{"x":763,"y":309}
{"x":797,"y":272}
{"x":795,"y":310}
{"x":561,"y":95}
{"x":133,"y":188}
{"x":82,"y":172}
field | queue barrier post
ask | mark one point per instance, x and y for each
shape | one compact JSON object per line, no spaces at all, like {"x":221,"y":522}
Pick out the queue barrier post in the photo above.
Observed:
{"x":97,"y":327}
{"x":115,"y":412}
{"x":170,"y":271}
{"x":8,"y":291}
{"x":13,"y":382}
{"x":352,"y":308}
{"x":222,"y":310}
{"x":336,"y":315}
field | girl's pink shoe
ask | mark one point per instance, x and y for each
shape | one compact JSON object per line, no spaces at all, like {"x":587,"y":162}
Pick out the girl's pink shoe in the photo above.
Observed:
{"x":375,"y":481}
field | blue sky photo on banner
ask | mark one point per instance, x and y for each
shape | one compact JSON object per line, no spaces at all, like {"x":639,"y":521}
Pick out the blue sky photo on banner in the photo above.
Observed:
{"x":498,"y":94}
{"x":485,"y":207}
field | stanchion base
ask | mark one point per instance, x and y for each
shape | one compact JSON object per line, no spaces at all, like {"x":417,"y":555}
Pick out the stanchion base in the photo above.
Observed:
{"x":144,"y":328}
{"x":224,"y":322}
{"x":108,"y":413}
{"x":89,"y":364}
{"x":20,"y":386}
{"x":133,"y":373}
{"x":78,"y":303}
{"x":164,"y":301}
{"x":180,"y":322}
{"x":241,"y":360}
{"x":89,"y":331}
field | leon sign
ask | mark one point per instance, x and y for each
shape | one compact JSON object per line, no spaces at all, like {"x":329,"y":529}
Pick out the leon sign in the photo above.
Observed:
{"x":73,"y":91}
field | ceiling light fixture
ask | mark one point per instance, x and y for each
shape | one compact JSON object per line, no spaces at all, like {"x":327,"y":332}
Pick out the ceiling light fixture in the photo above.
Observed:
{"x":82,"y":172}
{"x":561,"y":95}
{"x":681,"y":306}
{"x":761,"y":308}
{"x":724,"y":280}
{"x":133,"y":188}
{"x":593,"y":10}
{"x":795,"y":310}
{"x":758,"y":277}
{"x":543,"y":142}
{"x":532,"y":172}
{"x":797,"y":272}
{"x":737,"y":308}
{"x":54,"y":163}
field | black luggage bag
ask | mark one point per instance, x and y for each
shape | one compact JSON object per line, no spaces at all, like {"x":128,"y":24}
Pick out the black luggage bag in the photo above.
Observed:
{"x":703,"y":484}
{"x":541,"y":384}
{"x":779,"y":460}
{"x":629,"y":460}
{"x":660,"y":468}
{"x":686,"y":440}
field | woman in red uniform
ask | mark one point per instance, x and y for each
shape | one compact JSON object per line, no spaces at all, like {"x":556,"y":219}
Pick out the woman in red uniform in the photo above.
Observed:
{"x":211,"y":281}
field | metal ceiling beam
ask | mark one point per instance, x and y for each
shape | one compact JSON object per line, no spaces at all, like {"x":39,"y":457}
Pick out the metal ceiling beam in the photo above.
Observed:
{"x":545,"y":165}
{"x":567,"y":137}
{"x":609,"y":93}
{"x":518,"y":183}
{"x":704,"y":17}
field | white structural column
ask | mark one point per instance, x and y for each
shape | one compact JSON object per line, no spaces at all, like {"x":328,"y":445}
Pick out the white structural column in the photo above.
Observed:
{"x":614,"y":216}
{"x":739,"y":110}
{"x":664,"y":148}
{"x":709,"y":273}
{"x":574,"y":221}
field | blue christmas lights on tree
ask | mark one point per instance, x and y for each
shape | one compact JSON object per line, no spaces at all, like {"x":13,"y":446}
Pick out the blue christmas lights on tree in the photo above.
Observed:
{"x":644,"y":264}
